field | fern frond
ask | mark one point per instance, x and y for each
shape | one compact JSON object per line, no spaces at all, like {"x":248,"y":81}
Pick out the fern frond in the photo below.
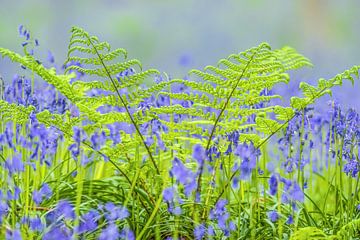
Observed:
{"x":351,"y":229}
{"x":101,"y":51}
{"x":13,"y":112}
{"x":308,"y":233}
{"x":323,"y":87}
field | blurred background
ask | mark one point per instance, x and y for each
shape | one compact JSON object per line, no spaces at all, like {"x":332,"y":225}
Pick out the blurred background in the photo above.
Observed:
{"x":177,"y":35}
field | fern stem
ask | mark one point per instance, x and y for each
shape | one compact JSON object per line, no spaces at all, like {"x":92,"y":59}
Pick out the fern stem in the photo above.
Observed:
{"x":126,"y":108}
{"x":315,"y":96}
{"x":198,"y":190}
{"x":300,"y":175}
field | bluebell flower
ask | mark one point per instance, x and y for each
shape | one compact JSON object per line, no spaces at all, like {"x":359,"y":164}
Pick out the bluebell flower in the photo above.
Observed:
{"x":111,"y":232}
{"x":65,"y":209}
{"x":88,"y":222}
{"x":44,"y":192}
{"x":35,"y":224}
{"x":168,"y":194}
{"x":235,"y":182}
{"x":184,"y":176}
{"x":228,"y":150}
{"x":273,"y":185}
{"x":351,"y":168}
{"x":273,"y":216}
{"x":115,"y":212}
{"x":50,"y":57}
{"x":198,"y":153}
{"x":20,"y":29}
{"x":4,"y":209}
{"x":210,"y":231}
{"x":13,"y":235}
{"x":58,"y":232}
{"x":199,"y":232}
{"x":296,"y":193}
{"x":290,"y":220}
{"x":15,"y":165}
{"x":114,"y":133}
{"x":127,"y":234}
{"x":177,"y":211}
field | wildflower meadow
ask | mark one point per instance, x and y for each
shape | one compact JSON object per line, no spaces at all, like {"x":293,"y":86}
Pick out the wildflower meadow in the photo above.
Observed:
{"x":99,"y":148}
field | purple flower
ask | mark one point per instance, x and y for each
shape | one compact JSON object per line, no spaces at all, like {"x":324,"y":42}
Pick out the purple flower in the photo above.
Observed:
{"x":37,"y":197}
{"x":210,"y":231}
{"x":4,"y":209}
{"x":44,"y":192}
{"x":177,"y":211}
{"x":58,"y":232}
{"x":50,"y":57}
{"x":168,"y":194}
{"x":183,"y":175}
{"x":273,"y":216}
{"x":127,"y":234}
{"x":13,"y":235}
{"x":110,"y":233}
{"x":20,"y":29}
{"x":36,"y":224}
{"x":351,"y":167}
{"x":65,"y":209}
{"x":15,"y":165}
{"x":290,"y":220}
{"x":199,"y":231}
{"x":273,"y":185}
{"x":115,"y":212}
{"x":88,"y":222}
{"x":296,"y":193}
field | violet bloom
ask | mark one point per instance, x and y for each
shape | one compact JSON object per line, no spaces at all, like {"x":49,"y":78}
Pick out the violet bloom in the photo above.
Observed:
{"x":127,"y":234}
{"x":199,"y":232}
{"x":44,"y":192}
{"x":198,"y":153}
{"x":15,"y":165}
{"x":35,"y":224}
{"x":296,"y":193}
{"x":168,"y":194}
{"x":273,"y":184}
{"x":183,"y":175}
{"x":65,"y":209}
{"x":290,"y":220}
{"x":4,"y":209}
{"x":115,"y":212}
{"x":50,"y":57}
{"x":110,"y":233}
{"x":58,"y":232}
{"x":88,"y":222}
{"x":13,"y":235}
{"x":273,"y":216}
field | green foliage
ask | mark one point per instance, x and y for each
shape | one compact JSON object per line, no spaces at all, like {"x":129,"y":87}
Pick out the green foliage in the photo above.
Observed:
{"x":233,"y":95}
{"x":308,"y":233}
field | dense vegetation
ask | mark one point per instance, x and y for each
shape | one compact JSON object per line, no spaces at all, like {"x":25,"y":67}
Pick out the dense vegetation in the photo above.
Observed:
{"x":102,"y":149}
